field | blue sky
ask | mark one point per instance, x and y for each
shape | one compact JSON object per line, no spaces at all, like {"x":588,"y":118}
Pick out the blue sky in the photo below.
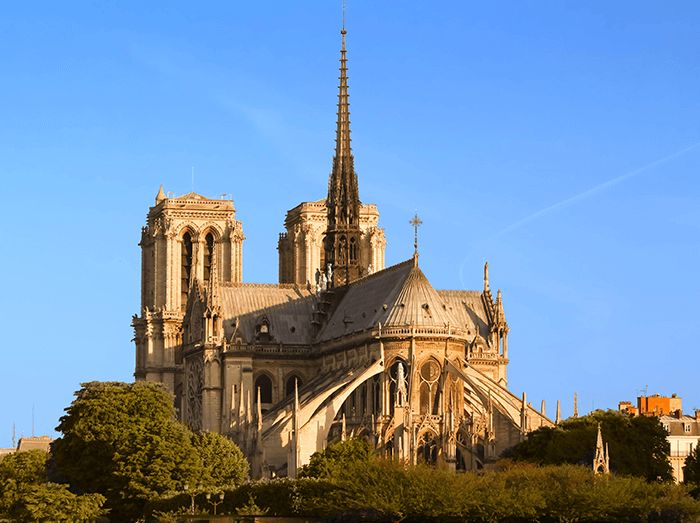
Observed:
{"x":559,"y":141}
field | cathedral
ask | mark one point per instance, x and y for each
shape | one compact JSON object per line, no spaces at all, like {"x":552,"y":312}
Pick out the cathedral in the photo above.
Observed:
{"x":341,"y":347}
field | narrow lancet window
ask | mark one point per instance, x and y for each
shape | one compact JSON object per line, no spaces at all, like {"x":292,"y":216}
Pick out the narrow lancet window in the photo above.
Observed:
{"x":292,"y":382}
{"x":353,"y":250}
{"x":264,"y":383}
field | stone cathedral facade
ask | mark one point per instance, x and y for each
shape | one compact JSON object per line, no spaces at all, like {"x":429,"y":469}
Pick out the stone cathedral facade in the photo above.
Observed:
{"x":342,"y":346}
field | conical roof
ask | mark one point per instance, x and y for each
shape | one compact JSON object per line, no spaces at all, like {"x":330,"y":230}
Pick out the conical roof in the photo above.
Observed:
{"x":417,"y":303}
{"x":397,"y":296}
{"x":161,"y":195}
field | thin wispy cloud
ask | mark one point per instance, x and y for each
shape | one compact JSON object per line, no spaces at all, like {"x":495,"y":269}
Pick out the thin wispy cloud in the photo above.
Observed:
{"x":590,"y":192}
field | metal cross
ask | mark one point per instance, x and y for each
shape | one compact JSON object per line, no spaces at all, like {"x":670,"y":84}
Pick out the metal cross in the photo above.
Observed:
{"x":416,"y":223}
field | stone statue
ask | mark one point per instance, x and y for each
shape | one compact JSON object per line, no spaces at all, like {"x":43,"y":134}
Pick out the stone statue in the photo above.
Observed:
{"x":329,"y":274}
{"x":400,"y":378}
{"x":400,"y":386}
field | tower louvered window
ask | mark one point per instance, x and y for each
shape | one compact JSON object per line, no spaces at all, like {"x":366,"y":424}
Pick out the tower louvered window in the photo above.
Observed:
{"x":185,"y":269}
{"x":208,"y":256}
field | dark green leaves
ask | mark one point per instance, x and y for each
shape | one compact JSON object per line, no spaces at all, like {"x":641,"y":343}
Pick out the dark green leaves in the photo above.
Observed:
{"x":637,"y":446}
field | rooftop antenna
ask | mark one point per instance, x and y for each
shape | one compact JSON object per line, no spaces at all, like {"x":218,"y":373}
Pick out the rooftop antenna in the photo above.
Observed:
{"x":32,"y":420}
{"x":192,"y":179}
{"x":13,"y":435}
{"x":343,"y":15}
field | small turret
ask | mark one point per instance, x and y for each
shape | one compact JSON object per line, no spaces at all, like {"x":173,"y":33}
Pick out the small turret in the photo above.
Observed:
{"x":601,"y":462}
{"x":161,"y":195}
{"x":486,"y":277}
{"x":558,"y":419}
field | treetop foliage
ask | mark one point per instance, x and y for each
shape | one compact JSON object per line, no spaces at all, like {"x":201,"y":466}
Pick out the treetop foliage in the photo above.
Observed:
{"x":223,"y":463}
{"x":121,"y":440}
{"x":24,"y":467}
{"x":637,"y":446}
{"x":392,"y":490}
{"x":691,"y":470}
{"x":26,"y":497}
{"x":338,"y":455}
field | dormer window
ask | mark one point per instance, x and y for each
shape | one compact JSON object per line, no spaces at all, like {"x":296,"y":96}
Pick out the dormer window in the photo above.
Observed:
{"x":687,"y":427}
{"x":262,"y":330}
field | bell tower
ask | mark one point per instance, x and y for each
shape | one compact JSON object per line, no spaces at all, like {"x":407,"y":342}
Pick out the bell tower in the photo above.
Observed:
{"x":339,"y":229}
{"x":185,"y":239}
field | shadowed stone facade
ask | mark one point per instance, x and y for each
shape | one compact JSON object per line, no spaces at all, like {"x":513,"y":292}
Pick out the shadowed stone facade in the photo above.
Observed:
{"x":341,"y":347}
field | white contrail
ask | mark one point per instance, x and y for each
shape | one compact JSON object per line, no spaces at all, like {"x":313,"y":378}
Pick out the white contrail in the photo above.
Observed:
{"x":589,"y":192}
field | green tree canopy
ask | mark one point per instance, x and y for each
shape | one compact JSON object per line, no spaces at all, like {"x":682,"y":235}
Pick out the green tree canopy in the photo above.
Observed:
{"x":339,"y":455}
{"x":26,"y":497}
{"x":691,"y":470}
{"x":17,"y":471}
{"x":121,"y":440}
{"x":223,"y":463}
{"x":637,"y":446}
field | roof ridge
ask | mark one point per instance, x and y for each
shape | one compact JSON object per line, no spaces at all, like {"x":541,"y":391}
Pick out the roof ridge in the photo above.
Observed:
{"x":456,"y":292}
{"x":384,"y":271}
{"x":263,"y":285}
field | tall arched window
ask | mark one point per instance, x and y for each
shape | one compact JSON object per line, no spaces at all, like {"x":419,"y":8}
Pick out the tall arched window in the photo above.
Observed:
{"x":376,"y":395}
{"x":429,"y":397}
{"x":264,"y":383}
{"x":185,"y":269}
{"x":208,"y":256}
{"x":353,"y":249}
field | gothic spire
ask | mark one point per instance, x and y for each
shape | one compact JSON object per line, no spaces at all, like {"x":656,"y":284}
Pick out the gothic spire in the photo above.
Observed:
{"x":342,"y":186}
{"x":601,"y":461}
{"x":343,"y":202}
{"x":342,"y":140}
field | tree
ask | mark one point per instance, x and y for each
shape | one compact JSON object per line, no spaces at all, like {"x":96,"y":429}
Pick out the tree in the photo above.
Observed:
{"x":17,"y":471}
{"x":338,"y":455}
{"x":52,"y":503}
{"x":691,"y":470}
{"x":637,"y":446}
{"x":121,"y":440}
{"x":223,"y":463}
{"x":26,"y":497}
